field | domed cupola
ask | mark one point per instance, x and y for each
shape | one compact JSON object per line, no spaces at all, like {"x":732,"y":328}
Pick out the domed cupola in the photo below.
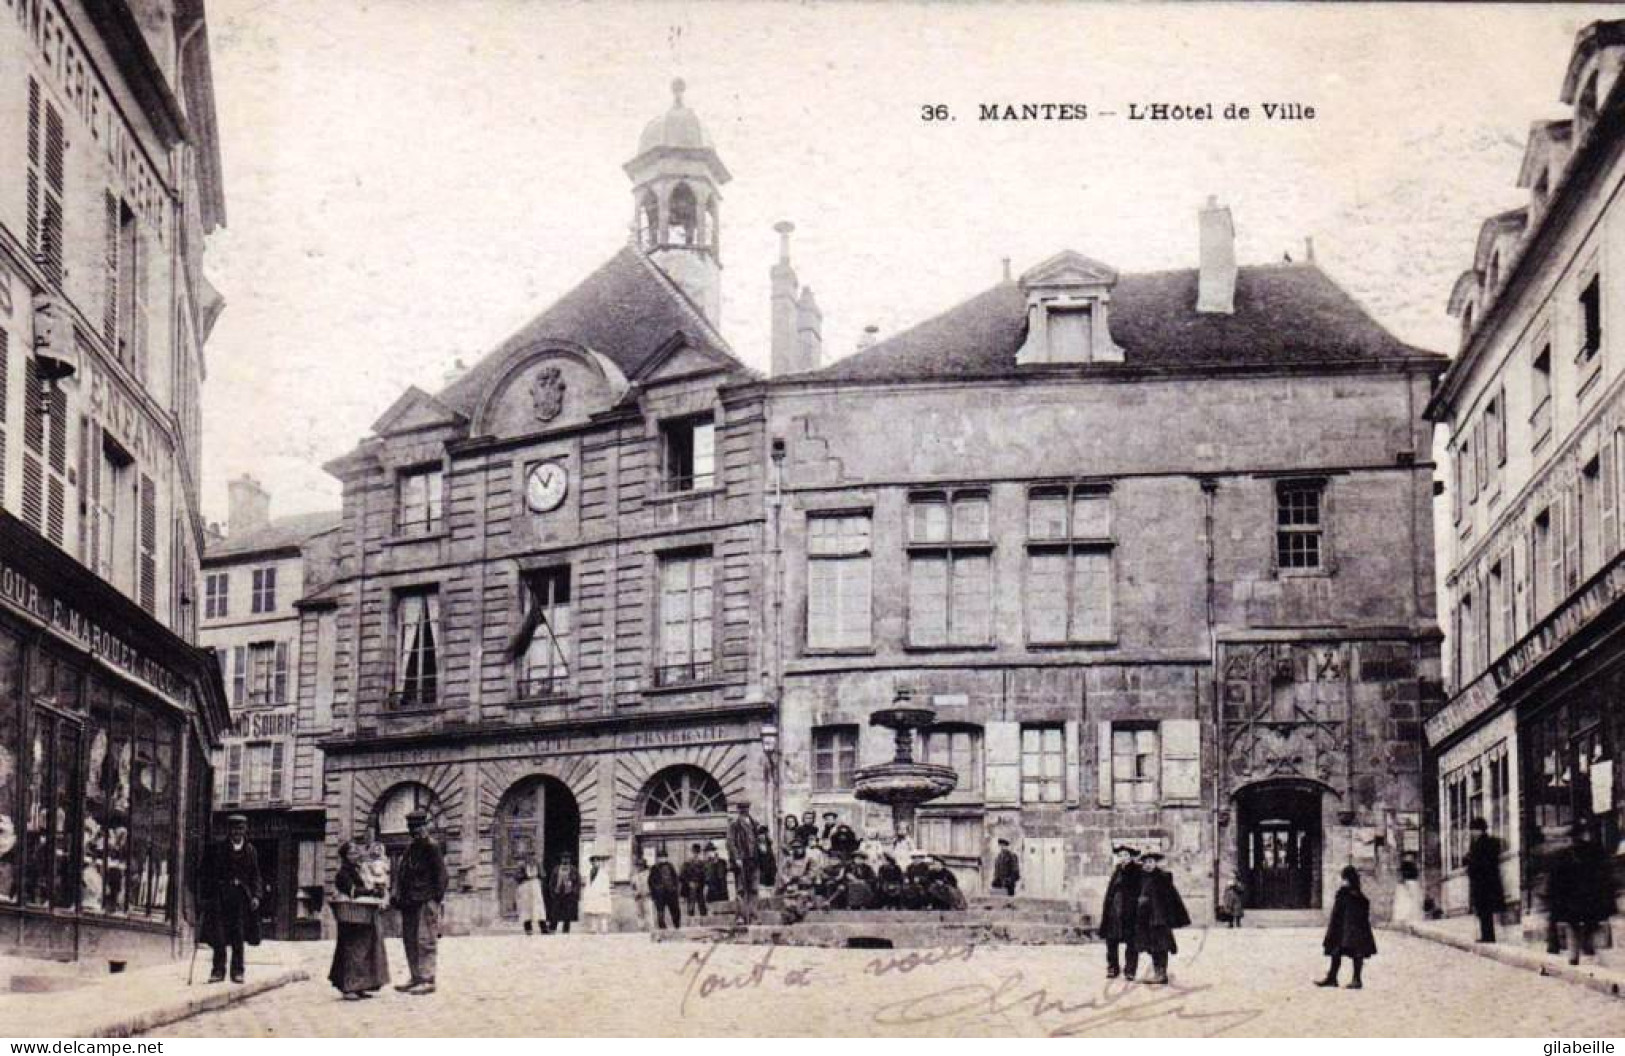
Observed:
{"x":677,"y":205}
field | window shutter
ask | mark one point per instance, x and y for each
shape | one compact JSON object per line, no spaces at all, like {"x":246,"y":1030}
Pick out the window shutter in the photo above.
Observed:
{"x":239,"y":673}
{"x":1103,"y":763}
{"x":1458,"y":486}
{"x":234,"y":773}
{"x":1181,"y":761}
{"x":1074,"y":761}
{"x":1572,"y":530}
{"x":149,"y":545}
{"x":1501,"y":427}
{"x":1608,"y":526}
{"x":280,"y":684}
{"x":278,"y":759}
{"x":1002,"y":744}
{"x":33,"y":165}
{"x":110,"y":263}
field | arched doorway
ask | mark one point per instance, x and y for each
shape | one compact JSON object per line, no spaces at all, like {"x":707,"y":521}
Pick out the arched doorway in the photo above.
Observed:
{"x":680,"y":806}
{"x":1278,"y":825}
{"x":537,"y":820}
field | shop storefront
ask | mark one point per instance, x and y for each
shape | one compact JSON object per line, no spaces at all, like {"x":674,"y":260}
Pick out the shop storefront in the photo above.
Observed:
{"x":105,"y":722}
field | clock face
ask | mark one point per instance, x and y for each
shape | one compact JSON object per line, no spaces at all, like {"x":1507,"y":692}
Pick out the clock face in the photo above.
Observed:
{"x":545,"y":486}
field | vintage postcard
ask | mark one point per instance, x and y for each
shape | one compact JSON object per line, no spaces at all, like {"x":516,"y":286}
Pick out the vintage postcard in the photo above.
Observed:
{"x":458,"y":578}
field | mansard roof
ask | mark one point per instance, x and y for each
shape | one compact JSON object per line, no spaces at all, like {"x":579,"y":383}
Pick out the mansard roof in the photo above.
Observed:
{"x":1588,"y":42}
{"x":1490,"y":232}
{"x":627,"y":310}
{"x":1286,"y":315}
{"x":1543,"y":135}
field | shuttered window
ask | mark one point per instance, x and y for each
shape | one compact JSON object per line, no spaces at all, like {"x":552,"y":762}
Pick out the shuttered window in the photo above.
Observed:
{"x":838,"y":581}
{"x":835,"y":757}
{"x":148,"y":545}
{"x":45,"y":455}
{"x":1070,"y":576}
{"x":47,"y":173}
{"x":950,"y":576}
{"x":216,"y":595}
{"x":234,"y":773}
{"x":262,"y":592}
{"x":1590,"y":501}
{"x":1043,"y":764}
{"x":417,"y":667}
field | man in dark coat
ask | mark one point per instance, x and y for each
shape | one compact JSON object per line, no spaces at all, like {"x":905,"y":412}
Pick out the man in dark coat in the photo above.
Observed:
{"x":564,"y":890}
{"x":693,"y":879}
{"x":843,"y":842}
{"x":831,"y":819}
{"x":1581,"y":890}
{"x":767,"y":862}
{"x":742,"y":860}
{"x":230,"y":895}
{"x":1484,"y":891}
{"x":664,"y":888}
{"x":1117,"y":910}
{"x":942,"y":887}
{"x":889,"y":883}
{"x":420,"y":890}
{"x":1006,"y":869}
{"x":1157,"y":913}
{"x":1348,"y":933}
{"x":716,"y":875}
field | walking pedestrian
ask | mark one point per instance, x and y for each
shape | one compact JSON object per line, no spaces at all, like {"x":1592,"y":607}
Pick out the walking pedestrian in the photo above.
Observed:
{"x":1408,"y":894}
{"x":742,"y":859}
{"x":1117,"y":910}
{"x":565,"y":889}
{"x":528,"y":898}
{"x":1485,"y":893}
{"x":693,"y":876}
{"x":1348,"y":933}
{"x":1157,"y":914}
{"x":1581,"y":890}
{"x":640,"y":891}
{"x":1006,"y":869}
{"x":360,"y":962}
{"x":230,"y":898}
{"x":665,"y":889}
{"x":420,"y":891}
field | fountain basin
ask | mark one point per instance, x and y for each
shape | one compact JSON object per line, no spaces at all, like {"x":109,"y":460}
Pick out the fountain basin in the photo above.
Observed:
{"x":903,"y":784}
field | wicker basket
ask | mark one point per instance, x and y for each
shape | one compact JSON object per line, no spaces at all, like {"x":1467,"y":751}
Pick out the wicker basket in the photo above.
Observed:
{"x":355,"y":912}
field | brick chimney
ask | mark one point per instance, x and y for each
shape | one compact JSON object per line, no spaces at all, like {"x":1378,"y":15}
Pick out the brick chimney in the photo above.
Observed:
{"x":1216,"y":278}
{"x":786,"y":353}
{"x":248,"y":506}
{"x":809,"y":331}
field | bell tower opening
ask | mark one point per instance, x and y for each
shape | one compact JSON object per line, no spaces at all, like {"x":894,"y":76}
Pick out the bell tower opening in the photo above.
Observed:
{"x":676,"y":179}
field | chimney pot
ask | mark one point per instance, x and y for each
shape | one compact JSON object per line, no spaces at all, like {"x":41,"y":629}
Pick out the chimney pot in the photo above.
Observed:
{"x":1309,"y":249}
{"x":1216,"y":272}
{"x":871,"y":335}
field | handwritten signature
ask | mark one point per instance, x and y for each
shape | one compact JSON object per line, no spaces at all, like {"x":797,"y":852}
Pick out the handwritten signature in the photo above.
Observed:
{"x":1110,"y":1007}
{"x":704,"y":982}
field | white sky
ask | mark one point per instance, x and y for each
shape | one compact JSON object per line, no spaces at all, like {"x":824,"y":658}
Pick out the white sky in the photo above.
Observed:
{"x":408,"y":181}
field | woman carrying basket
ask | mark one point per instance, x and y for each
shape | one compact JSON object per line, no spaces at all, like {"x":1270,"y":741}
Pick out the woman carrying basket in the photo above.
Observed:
{"x":360,"y":964}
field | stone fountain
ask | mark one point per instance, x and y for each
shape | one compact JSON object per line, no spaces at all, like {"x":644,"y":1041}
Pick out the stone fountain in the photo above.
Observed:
{"x":903,"y":784}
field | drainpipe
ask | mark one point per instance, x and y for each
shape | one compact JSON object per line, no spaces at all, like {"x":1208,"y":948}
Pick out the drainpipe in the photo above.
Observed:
{"x":776,"y":550}
{"x":1210,"y":486}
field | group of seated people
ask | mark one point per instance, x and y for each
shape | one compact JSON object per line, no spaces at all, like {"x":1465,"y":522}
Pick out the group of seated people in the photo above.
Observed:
{"x":832,"y":868}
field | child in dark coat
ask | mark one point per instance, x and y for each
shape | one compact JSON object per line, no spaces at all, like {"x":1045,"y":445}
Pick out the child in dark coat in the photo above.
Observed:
{"x":1349,"y":932}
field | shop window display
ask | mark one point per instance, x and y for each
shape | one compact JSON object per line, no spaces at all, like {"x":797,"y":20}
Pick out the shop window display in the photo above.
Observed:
{"x":10,"y":772}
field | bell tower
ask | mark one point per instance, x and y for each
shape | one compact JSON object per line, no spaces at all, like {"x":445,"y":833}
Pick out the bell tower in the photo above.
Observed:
{"x":676,"y":203}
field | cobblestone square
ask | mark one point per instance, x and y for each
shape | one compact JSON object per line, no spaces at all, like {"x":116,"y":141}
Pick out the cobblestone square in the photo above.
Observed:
{"x":1236,"y":983}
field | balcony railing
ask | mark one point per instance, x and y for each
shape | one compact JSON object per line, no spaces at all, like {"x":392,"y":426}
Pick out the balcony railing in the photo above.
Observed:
{"x":677,"y":485}
{"x":683,"y":674}
{"x":414,"y":699}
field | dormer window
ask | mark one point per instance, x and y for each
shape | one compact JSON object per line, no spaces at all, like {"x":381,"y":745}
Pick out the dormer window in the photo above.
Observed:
{"x":1542,"y":189}
{"x":1067,"y":300}
{"x":1585,"y":105}
{"x":1493,"y":278}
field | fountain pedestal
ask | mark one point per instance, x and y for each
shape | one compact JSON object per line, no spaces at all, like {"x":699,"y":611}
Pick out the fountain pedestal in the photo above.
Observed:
{"x":903,"y":784}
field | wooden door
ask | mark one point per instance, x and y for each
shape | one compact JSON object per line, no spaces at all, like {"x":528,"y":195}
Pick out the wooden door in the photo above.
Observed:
{"x":1043,"y":868}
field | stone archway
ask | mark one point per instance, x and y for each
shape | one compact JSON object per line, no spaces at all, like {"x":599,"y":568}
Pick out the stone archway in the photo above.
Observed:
{"x":1280,"y":843}
{"x":538,"y":819}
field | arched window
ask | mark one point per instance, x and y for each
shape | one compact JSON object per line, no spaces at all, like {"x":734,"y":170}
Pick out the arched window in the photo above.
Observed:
{"x":713,"y":225}
{"x":389,"y":816}
{"x":683,"y":218}
{"x":648,"y":221}
{"x":683,"y":791}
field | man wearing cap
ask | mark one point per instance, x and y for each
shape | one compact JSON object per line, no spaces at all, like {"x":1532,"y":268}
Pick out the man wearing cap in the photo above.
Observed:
{"x":693,"y":880}
{"x":231,"y":899}
{"x":420,"y":888}
{"x":716,"y":875}
{"x":1117,"y":910}
{"x":742,"y":859}
{"x":1158,"y":913}
{"x":1006,"y":869}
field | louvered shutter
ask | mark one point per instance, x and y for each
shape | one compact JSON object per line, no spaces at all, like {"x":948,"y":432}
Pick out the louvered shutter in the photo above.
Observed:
{"x":1074,"y":762}
{"x":278,"y":760}
{"x":55,"y":161}
{"x":1458,"y":486}
{"x":56,"y":489}
{"x":33,"y":448}
{"x":1572,"y":532}
{"x":149,"y":545}
{"x":234,"y":773}
{"x":110,"y":291}
{"x":280,"y":674}
{"x":1608,"y":526}
{"x":34,"y":189}
{"x":1181,"y":761}
{"x":1103,"y":763}
{"x":85,"y":534}
{"x":1002,"y":747}
{"x":239,"y":674}
{"x":5,"y":395}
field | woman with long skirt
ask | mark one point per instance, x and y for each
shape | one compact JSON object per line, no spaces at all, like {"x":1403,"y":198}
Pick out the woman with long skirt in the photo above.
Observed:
{"x":360,"y":963}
